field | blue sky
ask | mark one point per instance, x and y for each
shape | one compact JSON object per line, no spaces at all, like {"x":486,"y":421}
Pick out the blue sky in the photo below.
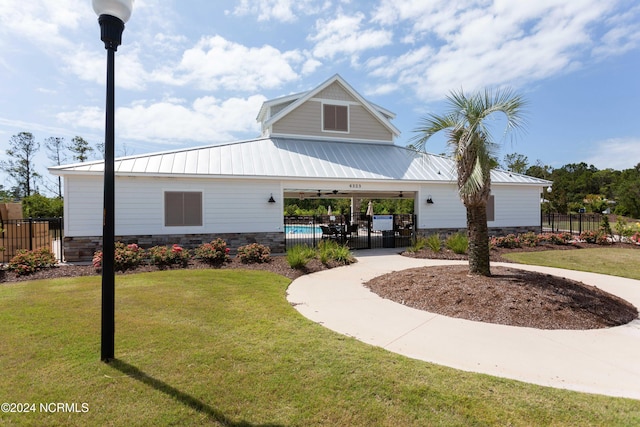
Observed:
{"x":192,"y":73}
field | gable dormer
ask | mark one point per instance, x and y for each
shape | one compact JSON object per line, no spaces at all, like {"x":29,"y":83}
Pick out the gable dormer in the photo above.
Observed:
{"x":333,"y":110}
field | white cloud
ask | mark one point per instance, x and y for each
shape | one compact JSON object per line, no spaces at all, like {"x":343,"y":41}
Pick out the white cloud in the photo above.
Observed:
{"x":172,"y":121}
{"x":279,"y":10}
{"x":615,"y":153}
{"x":41,"y":22}
{"x":216,"y":63}
{"x":475,"y":43}
{"x":343,"y":35}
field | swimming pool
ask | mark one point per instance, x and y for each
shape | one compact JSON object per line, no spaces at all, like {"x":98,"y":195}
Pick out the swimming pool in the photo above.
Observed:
{"x":302,"y":229}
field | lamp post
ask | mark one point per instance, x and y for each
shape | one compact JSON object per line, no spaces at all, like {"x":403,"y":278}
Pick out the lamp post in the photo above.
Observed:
{"x":112,"y":15}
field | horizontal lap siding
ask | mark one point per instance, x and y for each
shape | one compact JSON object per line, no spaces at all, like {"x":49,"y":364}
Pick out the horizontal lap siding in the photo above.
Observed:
{"x":364,"y":126}
{"x":516,"y":206}
{"x":83,"y":201}
{"x":447,"y":211}
{"x":229,"y":207}
{"x":304,"y":120}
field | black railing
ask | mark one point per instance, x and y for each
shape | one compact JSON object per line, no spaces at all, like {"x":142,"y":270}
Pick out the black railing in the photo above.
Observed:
{"x":357,"y":231}
{"x":572,"y":223}
{"x":31,"y":234}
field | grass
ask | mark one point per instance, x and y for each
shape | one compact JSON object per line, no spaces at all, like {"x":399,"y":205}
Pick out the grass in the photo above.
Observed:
{"x":606,"y":260}
{"x":224,"y":347}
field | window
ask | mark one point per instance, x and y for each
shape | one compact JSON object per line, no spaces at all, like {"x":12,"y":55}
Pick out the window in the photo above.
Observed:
{"x":491,"y":208}
{"x":182,"y":208}
{"x":336,"y":118}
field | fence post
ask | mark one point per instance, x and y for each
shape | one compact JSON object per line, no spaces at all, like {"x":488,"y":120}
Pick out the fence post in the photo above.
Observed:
{"x":30,"y":222}
{"x":579,"y":223}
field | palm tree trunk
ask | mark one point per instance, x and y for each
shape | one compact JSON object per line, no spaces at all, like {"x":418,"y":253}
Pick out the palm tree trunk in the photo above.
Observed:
{"x":478,"y":234}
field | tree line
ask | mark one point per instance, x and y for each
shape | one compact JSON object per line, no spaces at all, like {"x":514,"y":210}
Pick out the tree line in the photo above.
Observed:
{"x":579,"y":187}
{"x":28,"y":183}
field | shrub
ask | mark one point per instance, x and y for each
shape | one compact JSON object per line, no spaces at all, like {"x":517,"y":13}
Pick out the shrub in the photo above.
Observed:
{"x":299,"y":255}
{"x":530,"y":239}
{"x":458,"y":243}
{"x":27,"y":262}
{"x":509,"y":241}
{"x":164,"y":256}
{"x":597,"y":237}
{"x":417,"y":244}
{"x":254,"y":253}
{"x":563,"y":238}
{"x":214,"y":253}
{"x":329,"y":250}
{"x":434,"y":243}
{"x":126,"y":257}
{"x":605,"y":227}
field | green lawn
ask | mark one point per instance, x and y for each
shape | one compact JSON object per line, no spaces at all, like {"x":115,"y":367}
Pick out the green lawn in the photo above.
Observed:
{"x":605,"y":260}
{"x":222,"y":347}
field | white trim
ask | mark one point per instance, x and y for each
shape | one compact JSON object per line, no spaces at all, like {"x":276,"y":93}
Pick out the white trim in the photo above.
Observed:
{"x":337,"y":104}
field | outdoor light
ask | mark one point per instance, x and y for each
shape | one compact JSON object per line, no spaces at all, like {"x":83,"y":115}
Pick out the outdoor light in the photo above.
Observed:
{"x":112,"y":15}
{"x":429,"y":200}
{"x":549,"y":189}
{"x":271,"y":199}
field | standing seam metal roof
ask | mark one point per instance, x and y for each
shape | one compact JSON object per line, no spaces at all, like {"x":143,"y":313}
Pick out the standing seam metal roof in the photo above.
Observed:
{"x":294,"y":158}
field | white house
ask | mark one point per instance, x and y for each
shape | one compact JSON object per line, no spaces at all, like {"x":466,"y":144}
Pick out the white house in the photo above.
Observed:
{"x":327,"y":140}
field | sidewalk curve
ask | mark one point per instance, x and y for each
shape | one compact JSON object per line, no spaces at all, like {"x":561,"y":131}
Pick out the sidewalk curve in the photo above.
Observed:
{"x":602,"y":361}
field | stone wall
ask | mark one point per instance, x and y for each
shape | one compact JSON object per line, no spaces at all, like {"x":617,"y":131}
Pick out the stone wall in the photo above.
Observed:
{"x":81,"y":249}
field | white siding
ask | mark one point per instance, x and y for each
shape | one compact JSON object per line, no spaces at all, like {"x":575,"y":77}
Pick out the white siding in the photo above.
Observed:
{"x":229,"y":207}
{"x":83,"y":200}
{"x":516,"y":206}
{"x":447,"y":211}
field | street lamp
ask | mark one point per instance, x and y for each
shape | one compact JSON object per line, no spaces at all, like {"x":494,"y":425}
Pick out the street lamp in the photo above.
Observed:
{"x":112,"y":14}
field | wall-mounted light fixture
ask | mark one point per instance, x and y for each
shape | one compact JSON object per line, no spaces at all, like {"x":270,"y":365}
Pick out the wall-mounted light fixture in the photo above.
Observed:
{"x":429,"y":200}
{"x":271,"y":199}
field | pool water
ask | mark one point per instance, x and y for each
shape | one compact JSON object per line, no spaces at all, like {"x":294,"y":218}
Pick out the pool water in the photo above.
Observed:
{"x":302,"y":229}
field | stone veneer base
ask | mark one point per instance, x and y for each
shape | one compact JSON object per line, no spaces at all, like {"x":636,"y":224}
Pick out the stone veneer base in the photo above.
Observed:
{"x":81,"y":249}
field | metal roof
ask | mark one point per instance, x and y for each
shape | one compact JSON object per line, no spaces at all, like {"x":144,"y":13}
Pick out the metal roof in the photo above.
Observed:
{"x":293,"y":158}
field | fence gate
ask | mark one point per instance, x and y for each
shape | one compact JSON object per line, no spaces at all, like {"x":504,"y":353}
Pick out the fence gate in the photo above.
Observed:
{"x":31,"y":234}
{"x":357,"y":231}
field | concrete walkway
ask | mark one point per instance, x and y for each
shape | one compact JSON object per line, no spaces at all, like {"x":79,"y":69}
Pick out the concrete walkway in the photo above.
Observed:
{"x":602,"y":361}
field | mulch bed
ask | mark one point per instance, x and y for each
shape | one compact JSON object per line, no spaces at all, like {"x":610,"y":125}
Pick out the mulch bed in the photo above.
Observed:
{"x":510,"y":297}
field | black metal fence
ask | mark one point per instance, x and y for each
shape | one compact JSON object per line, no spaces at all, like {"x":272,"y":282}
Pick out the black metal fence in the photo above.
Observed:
{"x":573,"y":223}
{"x":357,"y":231}
{"x":31,"y":234}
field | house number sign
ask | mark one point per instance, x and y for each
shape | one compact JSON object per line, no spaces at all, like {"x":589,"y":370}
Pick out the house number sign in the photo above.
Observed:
{"x":355,"y":185}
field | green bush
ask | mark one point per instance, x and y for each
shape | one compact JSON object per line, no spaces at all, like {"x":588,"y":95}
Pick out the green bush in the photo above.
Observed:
{"x":597,"y":237}
{"x":329,"y":250}
{"x":530,"y":239}
{"x":299,"y":255}
{"x":510,"y":241}
{"x":417,"y":244}
{"x":214,"y":253}
{"x":126,"y":257}
{"x":563,"y":238}
{"x":434,"y":243}
{"x":27,"y":262}
{"x":254,"y":253}
{"x":458,"y":243}
{"x":163,"y":256}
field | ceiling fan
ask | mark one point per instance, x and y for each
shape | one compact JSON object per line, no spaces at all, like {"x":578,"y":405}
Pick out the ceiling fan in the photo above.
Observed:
{"x":332,"y":193}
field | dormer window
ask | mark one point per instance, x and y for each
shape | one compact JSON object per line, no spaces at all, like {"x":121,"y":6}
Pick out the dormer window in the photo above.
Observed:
{"x":335,"y":118}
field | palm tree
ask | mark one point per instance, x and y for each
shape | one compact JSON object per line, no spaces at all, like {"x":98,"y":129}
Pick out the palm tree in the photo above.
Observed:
{"x":472,"y":148}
